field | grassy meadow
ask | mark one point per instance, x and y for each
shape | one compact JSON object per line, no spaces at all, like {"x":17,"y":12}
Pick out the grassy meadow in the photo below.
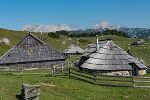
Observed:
{"x":68,"y":89}
{"x":65,"y":88}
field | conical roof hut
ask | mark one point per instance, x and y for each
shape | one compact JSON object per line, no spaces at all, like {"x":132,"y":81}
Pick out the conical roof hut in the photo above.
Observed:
{"x":73,"y":49}
{"x":112,"y":58}
{"x":138,"y":42}
{"x":31,"y":52}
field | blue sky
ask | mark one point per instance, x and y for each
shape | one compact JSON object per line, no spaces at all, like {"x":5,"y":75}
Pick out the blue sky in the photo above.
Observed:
{"x":81,"y":13}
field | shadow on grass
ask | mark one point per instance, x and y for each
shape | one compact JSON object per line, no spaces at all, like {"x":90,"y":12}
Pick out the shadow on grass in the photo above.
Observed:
{"x":99,"y":84}
{"x":57,"y":75}
{"x":19,"y":97}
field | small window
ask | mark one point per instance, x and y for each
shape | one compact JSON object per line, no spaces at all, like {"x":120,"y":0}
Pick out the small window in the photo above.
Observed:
{"x":30,"y":42}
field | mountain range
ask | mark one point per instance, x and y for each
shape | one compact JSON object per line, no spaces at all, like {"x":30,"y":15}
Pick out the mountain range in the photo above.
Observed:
{"x":103,"y":26}
{"x":47,"y":28}
{"x":131,"y":32}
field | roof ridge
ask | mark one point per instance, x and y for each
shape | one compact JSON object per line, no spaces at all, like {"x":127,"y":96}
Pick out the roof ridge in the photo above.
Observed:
{"x":30,"y":34}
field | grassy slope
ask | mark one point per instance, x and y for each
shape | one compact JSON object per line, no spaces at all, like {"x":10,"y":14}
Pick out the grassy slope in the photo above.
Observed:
{"x":70,"y":89}
{"x":13,"y":36}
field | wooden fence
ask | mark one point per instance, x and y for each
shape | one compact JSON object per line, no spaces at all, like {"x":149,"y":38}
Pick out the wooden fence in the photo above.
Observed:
{"x":55,"y":70}
{"x":143,"y":82}
{"x":125,"y":81}
{"x":129,"y":81}
{"x":11,"y":71}
{"x":148,"y":70}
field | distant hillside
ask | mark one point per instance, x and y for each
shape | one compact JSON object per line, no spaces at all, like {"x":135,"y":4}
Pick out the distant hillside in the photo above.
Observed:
{"x":100,"y":27}
{"x":63,"y":42}
{"x":93,"y":33}
{"x":136,"y":32}
{"x":131,"y":32}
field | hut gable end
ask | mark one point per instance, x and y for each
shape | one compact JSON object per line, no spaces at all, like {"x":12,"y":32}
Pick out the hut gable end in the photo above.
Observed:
{"x":30,"y":40}
{"x":30,"y":49}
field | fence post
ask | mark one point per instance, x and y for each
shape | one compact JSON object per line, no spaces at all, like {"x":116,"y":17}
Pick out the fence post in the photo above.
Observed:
{"x":55,"y":71}
{"x":67,"y":64}
{"x":133,"y":81}
{"x":22,"y":72}
{"x":94,"y":77}
{"x":52,"y":71}
{"x":62,"y":67}
{"x":69,"y":72}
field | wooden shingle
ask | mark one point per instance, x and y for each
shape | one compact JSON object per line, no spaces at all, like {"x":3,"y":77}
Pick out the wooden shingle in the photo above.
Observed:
{"x":111,"y":57}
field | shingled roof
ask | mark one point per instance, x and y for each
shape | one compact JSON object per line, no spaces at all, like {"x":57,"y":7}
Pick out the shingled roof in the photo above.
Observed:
{"x":92,"y":48}
{"x":73,"y":49}
{"x":30,"y":49}
{"x":111,"y":57}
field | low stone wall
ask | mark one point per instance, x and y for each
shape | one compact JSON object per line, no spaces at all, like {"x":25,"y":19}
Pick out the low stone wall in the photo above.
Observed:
{"x":118,"y":73}
{"x":30,"y":92}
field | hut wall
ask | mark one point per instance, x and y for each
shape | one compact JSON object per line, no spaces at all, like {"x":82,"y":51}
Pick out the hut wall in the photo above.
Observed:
{"x":137,"y":71}
{"x":142,"y":72}
{"x":116,"y":73}
{"x":41,"y":65}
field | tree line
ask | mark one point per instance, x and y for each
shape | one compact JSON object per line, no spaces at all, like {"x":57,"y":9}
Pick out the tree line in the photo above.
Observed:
{"x":57,"y":34}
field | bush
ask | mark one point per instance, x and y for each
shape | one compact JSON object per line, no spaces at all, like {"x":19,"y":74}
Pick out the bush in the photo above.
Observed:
{"x":53,"y":35}
{"x":63,"y":32}
{"x":83,"y":41}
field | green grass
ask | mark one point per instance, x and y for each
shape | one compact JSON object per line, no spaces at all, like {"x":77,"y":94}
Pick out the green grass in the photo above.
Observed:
{"x":68,"y":89}
{"x":37,"y":71}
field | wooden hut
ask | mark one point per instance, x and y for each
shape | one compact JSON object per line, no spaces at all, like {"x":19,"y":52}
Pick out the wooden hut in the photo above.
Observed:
{"x":113,"y":60}
{"x":138,"y":42}
{"x":31,"y":52}
{"x":73,"y":49}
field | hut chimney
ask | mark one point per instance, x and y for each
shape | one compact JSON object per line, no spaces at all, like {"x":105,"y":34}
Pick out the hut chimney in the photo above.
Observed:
{"x":29,"y":33}
{"x":97,"y":43}
{"x":41,"y":35}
